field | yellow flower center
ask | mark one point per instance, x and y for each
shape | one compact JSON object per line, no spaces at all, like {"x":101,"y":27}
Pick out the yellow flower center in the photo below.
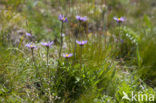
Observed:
{"x":64,"y":19}
{"x":118,"y":18}
{"x":67,"y":55}
{"x":31,"y":45}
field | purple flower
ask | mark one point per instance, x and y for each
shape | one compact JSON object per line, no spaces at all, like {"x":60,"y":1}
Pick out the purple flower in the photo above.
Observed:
{"x":67,"y":55}
{"x":81,"y":43}
{"x":28,"y":34}
{"x":119,"y":20}
{"x":30,"y":45}
{"x":62,"y":18}
{"x":78,"y":17}
{"x":122,"y":41}
{"x":63,"y":34}
{"x":48,"y":44}
{"x":81,"y":18}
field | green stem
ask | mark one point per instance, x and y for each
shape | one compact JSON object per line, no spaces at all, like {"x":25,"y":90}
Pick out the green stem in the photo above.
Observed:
{"x":60,"y":49}
{"x":33,"y":59}
{"x":81,"y":58}
{"x":61,"y":41}
{"x":76,"y":36}
{"x":48,"y":62}
{"x":119,"y":43}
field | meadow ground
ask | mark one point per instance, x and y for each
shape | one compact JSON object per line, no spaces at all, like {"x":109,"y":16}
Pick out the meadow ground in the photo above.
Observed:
{"x":77,"y":51}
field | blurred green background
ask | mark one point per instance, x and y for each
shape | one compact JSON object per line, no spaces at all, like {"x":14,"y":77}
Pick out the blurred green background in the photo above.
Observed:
{"x":105,"y":77}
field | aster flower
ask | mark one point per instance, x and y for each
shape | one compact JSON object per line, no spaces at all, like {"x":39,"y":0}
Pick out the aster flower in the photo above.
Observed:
{"x":67,"y":55}
{"x":122,"y":41}
{"x":81,"y":43}
{"x":78,"y":17}
{"x":63,"y":35}
{"x":28,"y":34}
{"x":30,"y":45}
{"x":48,"y":44}
{"x":81,"y":18}
{"x":119,"y":20}
{"x":62,"y":18}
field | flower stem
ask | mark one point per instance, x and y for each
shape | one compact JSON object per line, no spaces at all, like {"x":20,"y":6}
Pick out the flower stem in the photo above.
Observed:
{"x":76,"y":36}
{"x":47,"y":55}
{"x":49,"y":76}
{"x":33,"y":59}
{"x":119,"y":38}
{"x":119,"y":31}
{"x":60,"y":48}
{"x":61,"y":41}
{"x":81,"y":58}
{"x":48,"y":62}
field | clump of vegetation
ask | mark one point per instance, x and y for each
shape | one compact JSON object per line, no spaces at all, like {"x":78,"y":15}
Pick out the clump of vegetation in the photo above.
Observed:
{"x":67,"y":51}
